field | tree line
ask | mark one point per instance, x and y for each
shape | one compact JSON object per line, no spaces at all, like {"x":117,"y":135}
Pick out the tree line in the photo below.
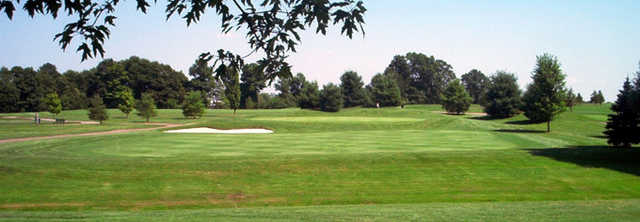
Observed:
{"x":413,"y":78}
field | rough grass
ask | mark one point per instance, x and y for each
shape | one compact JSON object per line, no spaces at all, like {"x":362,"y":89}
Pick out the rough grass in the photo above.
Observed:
{"x":385,"y":164}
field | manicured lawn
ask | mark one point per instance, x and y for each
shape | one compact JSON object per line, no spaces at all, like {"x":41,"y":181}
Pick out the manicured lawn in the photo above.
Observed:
{"x":383,"y":164}
{"x":597,"y":211}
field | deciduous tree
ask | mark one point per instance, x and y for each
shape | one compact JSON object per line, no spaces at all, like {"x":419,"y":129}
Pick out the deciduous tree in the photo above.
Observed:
{"x":272,"y":27}
{"x":53,"y":103}
{"x":126,"y":101}
{"x":253,"y":82}
{"x":476,"y":84}
{"x":229,"y":76}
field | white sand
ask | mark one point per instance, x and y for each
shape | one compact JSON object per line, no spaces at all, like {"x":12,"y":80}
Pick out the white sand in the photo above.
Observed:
{"x":210,"y":130}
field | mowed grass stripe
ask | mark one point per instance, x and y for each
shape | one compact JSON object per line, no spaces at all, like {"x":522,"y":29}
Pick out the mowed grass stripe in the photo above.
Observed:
{"x":442,"y":158}
{"x":597,"y":211}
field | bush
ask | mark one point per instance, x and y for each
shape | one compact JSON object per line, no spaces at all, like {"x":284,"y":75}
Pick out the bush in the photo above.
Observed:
{"x":330,"y":98}
{"x":193,"y":106}
{"x":455,"y":98}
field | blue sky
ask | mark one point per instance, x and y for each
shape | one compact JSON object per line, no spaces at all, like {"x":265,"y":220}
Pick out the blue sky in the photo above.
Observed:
{"x":596,"y":41}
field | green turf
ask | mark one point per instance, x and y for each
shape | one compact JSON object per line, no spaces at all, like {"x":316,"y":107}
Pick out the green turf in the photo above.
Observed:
{"x":386,"y":164}
{"x":597,"y":211}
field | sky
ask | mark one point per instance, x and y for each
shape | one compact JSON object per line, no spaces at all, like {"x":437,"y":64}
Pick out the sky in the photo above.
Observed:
{"x":595,"y":41}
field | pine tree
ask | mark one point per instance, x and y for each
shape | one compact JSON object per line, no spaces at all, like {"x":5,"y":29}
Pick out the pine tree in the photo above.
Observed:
{"x":330,"y":98}
{"x":352,"y":89}
{"x":503,"y":95}
{"x":545,"y":97}
{"x":579,"y":99}
{"x":193,"y":106}
{"x":309,"y":96}
{"x":571,"y":99}
{"x":455,"y":98}
{"x":146,"y":106}
{"x":97,"y":110}
{"x":622,"y":126}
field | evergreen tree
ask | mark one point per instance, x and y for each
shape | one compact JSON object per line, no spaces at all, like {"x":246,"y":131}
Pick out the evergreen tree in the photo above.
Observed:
{"x":579,"y":99}
{"x":503,"y":95}
{"x":146,"y":106}
{"x":330,"y":98}
{"x":455,"y":98}
{"x":545,"y":97}
{"x":597,"y":97}
{"x":97,"y":109}
{"x":9,"y":93}
{"x":384,"y":90}
{"x":622,"y":125}
{"x":53,"y":103}
{"x":600,"y":97}
{"x":309,"y":96}
{"x":193,"y":106}
{"x":290,"y":89}
{"x":352,"y":89}
{"x":126,"y":101}
{"x":571,"y":99}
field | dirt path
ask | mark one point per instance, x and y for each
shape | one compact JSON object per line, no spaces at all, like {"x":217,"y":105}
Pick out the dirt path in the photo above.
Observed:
{"x":52,"y":120}
{"x":161,"y":126}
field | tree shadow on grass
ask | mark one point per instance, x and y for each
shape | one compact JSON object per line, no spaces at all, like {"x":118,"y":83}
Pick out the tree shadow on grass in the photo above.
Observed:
{"x":519,"y":122}
{"x":485,"y":117}
{"x":625,"y":160}
{"x":519,"y":131}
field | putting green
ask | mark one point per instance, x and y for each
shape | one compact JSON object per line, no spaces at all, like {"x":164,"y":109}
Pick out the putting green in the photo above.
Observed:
{"x":335,"y":119}
{"x":343,"y":142}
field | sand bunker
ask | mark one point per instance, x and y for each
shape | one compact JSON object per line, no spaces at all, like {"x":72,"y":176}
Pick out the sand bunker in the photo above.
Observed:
{"x":230,"y":131}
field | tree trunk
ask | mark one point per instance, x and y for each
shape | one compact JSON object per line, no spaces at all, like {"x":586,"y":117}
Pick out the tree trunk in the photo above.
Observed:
{"x":549,"y":126}
{"x":234,"y":111}
{"x":147,"y":119}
